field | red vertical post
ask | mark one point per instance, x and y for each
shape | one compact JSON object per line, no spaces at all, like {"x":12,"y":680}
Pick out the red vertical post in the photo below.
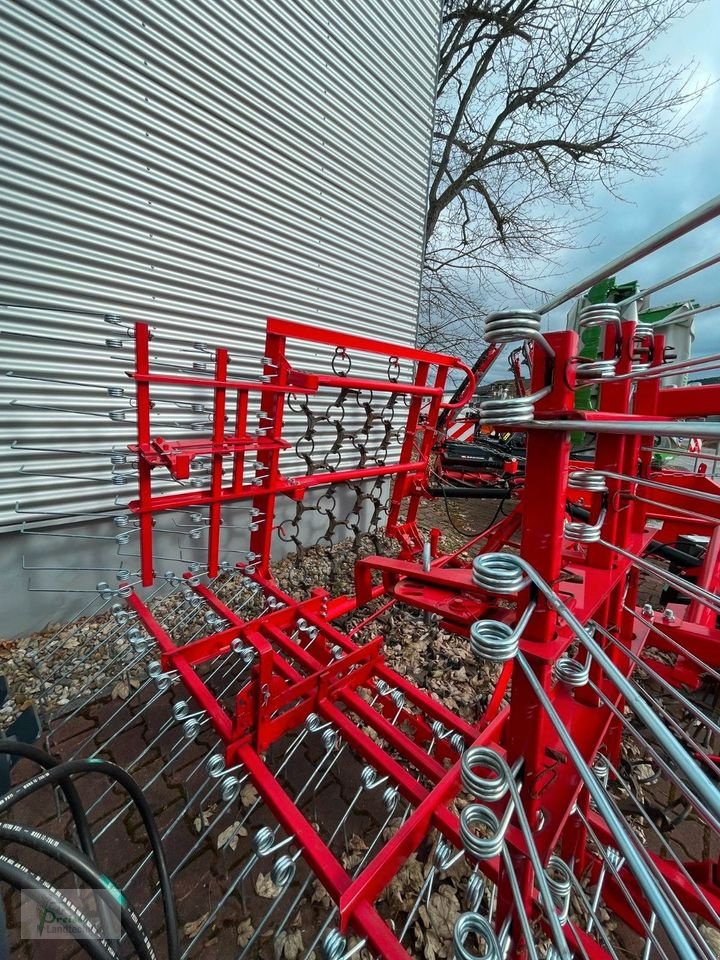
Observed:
{"x":546,"y":475}
{"x":268,"y":456}
{"x":216,"y":476}
{"x":400,"y":488}
{"x":241,"y":412}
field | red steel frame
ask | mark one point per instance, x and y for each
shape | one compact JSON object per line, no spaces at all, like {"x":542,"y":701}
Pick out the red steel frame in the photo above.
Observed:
{"x":289,"y":682}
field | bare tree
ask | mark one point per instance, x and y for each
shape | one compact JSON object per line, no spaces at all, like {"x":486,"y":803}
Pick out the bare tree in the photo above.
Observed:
{"x":538,"y":101}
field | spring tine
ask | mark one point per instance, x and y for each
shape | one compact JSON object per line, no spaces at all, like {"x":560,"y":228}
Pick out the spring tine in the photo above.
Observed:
{"x":628,"y":848}
{"x":284,"y":886}
{"x":173,"y":757}
{"x":669,"y":851}
{"x":704,"y":667}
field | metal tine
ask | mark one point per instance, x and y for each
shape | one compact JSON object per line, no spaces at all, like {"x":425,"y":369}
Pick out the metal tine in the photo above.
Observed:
{"x":283,"y":871}
{"x":390,"y":798}
{"x":638,"y":861}
{"x":494,"y":844}
{"x":590,"y":909}
{"x":212,"y":778}
{"x":673,"y":643}
{"x":369,"y":781}
{"x":115,"y":415}
{"x":383,"y":688}
{"x":681,"y":453}
{"x":673,"y":691}
{"x":16,"y":445}
{"x":664,"y":840}
{"x":675,"y":509}
{"x":81,"y":613}
{"x":486,"y":564}
{"x":116,"y":393}
{"x":656,"y":485}
{"x":122,"y":573}
{"x":133,"y":763}
{"x":614,"y":863}
{"x":267,"y":834}
{"x":96,"y":694}
{"x":653,"y":753}
{"x":16,"y":335}
{"x":93,"y":652}
{"x":313,"y":724}
{"x":183,"y":744}
{"x":443,"y":860}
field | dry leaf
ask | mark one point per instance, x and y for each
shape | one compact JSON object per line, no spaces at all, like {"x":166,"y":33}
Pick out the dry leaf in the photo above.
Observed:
{"x":264,"y":887}
{"x":231,"y":835}
{"x":434,"y":948}
{"x":443,"y":911}
{"x":120,"y":691}
{"x":289,"y":944}
{"x":320,"y":895}
{"x":711,"y":936}
{"x":206,"y":818}
{"x":248,"y":795}
{"x":244,"y":932}
{"x":190,"y":929}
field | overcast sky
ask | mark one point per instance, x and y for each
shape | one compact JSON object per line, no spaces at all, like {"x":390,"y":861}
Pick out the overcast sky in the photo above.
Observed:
{"x":689,"y":178}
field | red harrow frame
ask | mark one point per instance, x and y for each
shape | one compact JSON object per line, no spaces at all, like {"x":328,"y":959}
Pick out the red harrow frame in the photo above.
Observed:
{"x":571,"y":573}
{"x":533,"y":795}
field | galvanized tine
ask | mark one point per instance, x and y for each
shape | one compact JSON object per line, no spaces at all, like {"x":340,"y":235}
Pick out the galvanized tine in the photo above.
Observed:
{"x":706,"y":668}
{"x":613,"y":861}
{"x":649,"y":820}
{"x":182,"y":744}
{"x":125,"y":704}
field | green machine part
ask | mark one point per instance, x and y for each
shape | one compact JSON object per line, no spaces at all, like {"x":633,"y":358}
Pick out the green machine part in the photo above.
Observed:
{"x":605,"y":292}
{"x":610,"y":292}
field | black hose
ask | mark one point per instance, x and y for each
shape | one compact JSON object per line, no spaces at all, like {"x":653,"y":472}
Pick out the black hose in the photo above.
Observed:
{"x":49,"y":898}
{"x":47,"y":761}
{"x":104,"y":888}
{"x":114,"y":772}
{"x":471,"y":493}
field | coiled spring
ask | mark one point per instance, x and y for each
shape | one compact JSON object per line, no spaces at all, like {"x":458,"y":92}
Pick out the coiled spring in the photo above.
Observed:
{"x":230,"y":788}
{"x":333,"y":945}
{"x":599,"y":315}
{"x":263,"y":842}
{"x":511,"y":325}
{"x":578,"y":531}
{"x":475,"y":890}
{"x":494,"y":640}
{"x":642,"y":354}
{"x":559,"y":880}
{"x":490,"y":844}
{"x":508,"y":410}
{"x":473,"y":924}
{"x":572,"y":672}
{"x":497,"y":573}
{"x":282,"y":871}
{"x":369,"y":777}
{"x":595,"y":369}
{"x":592,"y":481}
{"x":601,"y":768}
{"x":485,"y":788}
{"x":444,"y":854}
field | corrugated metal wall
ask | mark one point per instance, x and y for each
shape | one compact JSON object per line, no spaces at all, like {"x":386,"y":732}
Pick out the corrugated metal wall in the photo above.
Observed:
{"x":199,"y":165}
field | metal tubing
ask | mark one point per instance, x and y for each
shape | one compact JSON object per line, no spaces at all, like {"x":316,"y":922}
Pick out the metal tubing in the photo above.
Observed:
{"x":676,"y":229}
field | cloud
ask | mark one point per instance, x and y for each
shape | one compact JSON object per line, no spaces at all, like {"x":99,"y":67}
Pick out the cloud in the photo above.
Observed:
{"x":689,"y":179}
